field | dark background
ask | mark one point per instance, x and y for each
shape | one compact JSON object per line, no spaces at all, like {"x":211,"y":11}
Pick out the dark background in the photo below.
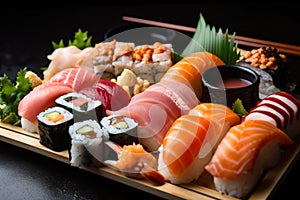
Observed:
{"x":25,"y":41}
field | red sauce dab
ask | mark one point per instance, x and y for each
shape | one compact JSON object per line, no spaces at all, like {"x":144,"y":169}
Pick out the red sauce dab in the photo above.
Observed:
{"x":234,"y":83}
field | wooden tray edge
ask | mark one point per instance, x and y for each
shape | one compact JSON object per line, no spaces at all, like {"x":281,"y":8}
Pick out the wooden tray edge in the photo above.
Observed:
{"x":30,"y":141}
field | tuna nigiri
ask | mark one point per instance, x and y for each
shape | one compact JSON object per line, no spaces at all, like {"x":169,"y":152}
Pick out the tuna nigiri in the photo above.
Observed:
{"x":281,"y":109}
{"x":111,"y":95}
{"x":39,"y":99}
{"x":243,"y":154}
{"x":75,"y":78}
{"x":187,"y":148}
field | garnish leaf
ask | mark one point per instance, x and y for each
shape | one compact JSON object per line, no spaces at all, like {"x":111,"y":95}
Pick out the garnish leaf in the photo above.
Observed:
{"x":11,"y":94}
{"x":206,"y":39}
{"x":81,"y":40}
{"x":238,"y":108}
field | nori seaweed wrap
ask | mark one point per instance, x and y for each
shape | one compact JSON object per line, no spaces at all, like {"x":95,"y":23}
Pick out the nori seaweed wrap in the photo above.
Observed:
{"x":82,"y":107}
{"x":121,"y":129}
{"x":53,"y":128}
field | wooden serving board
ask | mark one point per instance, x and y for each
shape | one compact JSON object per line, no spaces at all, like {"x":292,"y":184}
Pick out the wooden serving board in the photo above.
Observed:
{"x":203,"y":188}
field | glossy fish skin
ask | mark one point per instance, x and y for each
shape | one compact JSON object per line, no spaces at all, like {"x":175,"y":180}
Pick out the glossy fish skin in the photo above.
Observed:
{"x":187,"y":148}
{"x":281,"y":109}
{"x":189,"y":70}
{"x":41,"y":98}
{"x":75,"y":78}
{"x":245,"y":152}
{"x":238,"y":151}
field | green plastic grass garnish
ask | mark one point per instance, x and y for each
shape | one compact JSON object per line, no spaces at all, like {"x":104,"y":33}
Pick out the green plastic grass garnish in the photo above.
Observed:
{"x":207,"y":39}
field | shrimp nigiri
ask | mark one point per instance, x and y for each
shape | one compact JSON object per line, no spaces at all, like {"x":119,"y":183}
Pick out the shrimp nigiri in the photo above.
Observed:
{"x":243,"y":154}
{"x":135,"y":162}
{"x":187,"y":148}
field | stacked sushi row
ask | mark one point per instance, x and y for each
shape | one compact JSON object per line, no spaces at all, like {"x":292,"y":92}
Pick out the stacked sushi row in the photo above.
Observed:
{"x":149,"y":62}
{"x":77,"y":124}
{"x":70,"y":108}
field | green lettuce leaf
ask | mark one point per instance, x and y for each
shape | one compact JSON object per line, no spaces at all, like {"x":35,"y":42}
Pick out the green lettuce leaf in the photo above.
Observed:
{"x":11,"y":94}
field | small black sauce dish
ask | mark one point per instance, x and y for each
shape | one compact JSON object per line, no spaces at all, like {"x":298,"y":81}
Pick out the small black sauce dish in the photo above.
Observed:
{"x":225,"y":84}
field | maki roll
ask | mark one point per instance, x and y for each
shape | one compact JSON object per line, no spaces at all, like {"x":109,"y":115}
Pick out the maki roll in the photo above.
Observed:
{"x":103,"y":60}
{"x":152,"y":61}
{"x":122,"y":58}
{"x":82,"y":106}
{"x":86,"y":144}
{"x":121,"y":130}
{"x":53,"y":128}
{"x":112,"y":58}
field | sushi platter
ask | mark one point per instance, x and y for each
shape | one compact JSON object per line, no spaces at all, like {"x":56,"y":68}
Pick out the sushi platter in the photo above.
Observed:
{"x":132,"y":98}
{"x":202,"y":189}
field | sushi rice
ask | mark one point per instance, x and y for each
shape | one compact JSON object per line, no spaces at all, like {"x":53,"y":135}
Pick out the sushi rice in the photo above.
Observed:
{"x":86,"y":143}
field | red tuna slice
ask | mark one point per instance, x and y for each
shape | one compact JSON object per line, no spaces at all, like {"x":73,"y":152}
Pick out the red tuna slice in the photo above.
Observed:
{"x":75,"y":78}
{"x":112,"y":96}
{"x":41,"y":98}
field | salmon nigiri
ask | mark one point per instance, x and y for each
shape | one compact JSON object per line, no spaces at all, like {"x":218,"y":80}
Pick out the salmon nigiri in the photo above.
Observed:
{"x":189,"y":70}
{"x":243,"y":154}
{"x":218,"y":113}
{"x":187,"y":148}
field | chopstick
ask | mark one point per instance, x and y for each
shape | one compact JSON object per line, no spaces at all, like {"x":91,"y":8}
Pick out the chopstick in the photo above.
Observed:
{"x":246,"y":41}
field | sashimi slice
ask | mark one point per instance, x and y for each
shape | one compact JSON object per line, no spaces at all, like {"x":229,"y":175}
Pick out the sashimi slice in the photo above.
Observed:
{"x":112,"y":96}
{"x":238,"y":151}
{"x":244,"y":153}
{"x":156,"y":97}
{"x":203,"y":60}
{"x":40,"y":98}
{"x":187,"y":74}
{"x":218,"y":113}
{"x":191,"y":68}
{"x":75,"y":78}
{"x":183,"y":96}
{"x":187,"y":148}
{"x":281,"y":109}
